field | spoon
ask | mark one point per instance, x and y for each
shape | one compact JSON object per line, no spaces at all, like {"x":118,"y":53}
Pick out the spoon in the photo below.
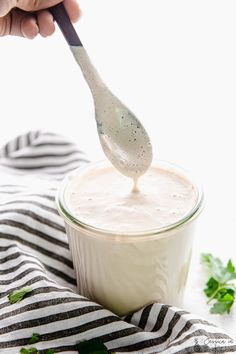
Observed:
{"x":124,"y":140}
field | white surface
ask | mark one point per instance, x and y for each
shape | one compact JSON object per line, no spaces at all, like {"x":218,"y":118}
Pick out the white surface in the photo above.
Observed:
{"x":173,"y":63}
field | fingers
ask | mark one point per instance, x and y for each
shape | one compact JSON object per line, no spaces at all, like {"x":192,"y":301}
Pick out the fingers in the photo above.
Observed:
{"x":23,"y":24}
{"x":5,"y":25}
{"x":45,"y":23}
{"x":29,"y":27}
{"x":73,"y":10}
{"x":26,"y":24}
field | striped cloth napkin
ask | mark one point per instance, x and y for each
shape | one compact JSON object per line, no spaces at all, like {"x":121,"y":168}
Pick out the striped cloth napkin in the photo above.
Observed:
{"x":34,"y":252}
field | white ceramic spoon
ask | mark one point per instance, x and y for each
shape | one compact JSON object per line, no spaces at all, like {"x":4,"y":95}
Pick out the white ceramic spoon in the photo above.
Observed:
{"x":124,"y":140}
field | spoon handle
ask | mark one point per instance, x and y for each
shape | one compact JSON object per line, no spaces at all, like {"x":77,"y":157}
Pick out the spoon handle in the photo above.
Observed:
{"x":61,"y":17}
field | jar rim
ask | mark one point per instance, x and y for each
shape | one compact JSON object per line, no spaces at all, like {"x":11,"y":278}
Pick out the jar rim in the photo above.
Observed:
{"x":75,"y":222}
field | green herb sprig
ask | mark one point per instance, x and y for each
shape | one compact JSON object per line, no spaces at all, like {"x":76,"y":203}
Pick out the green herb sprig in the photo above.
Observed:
{"x":220,"y":287}
{"x":29,"y":351}
{"x":18,"y":295}
{"x":34,"y":351}
{"x":34,"y":338}
{"x":92,"y":346}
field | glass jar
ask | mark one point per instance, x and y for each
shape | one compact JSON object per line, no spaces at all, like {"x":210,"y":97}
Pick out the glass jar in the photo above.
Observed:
{"x":126,"y":271}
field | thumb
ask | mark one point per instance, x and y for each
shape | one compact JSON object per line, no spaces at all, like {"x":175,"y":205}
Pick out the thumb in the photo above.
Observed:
{"x":35,"y":5}
{"x":27,"y":5}
{"x":6,"y":6}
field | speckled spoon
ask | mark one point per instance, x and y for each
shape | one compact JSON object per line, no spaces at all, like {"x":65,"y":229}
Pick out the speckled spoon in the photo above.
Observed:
{"x":124,"y":140}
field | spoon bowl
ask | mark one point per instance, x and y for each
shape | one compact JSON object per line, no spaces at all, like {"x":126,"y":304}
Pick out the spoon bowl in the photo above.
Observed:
{"x":124,"y":140}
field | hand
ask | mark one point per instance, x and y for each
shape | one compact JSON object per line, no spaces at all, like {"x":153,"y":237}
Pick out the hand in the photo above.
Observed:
{"x":27,"y":18}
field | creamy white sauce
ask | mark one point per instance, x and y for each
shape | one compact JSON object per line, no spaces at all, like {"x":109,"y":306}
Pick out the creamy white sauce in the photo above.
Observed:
{"x":105,"y":199}
{"x":123,"y":138}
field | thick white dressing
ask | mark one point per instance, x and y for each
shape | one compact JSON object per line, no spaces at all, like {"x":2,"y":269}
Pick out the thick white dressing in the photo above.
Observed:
{"x":104,"y":199}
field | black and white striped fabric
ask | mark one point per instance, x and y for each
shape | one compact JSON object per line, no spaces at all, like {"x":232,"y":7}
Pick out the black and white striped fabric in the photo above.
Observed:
{"x":34,"y":252}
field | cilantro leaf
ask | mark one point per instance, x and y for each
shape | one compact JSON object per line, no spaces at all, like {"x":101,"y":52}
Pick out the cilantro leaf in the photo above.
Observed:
{"x":28,"y":351}
{"x":212,"y":286}
{"x":218,"y":308}
{"x":218,"y":288}
{"x":230,"y":267}
{"x":92,"y":346}
{"x":230,"y":273}
{"x":224,"y":303}
{"x":18,"y":295}
{"x":34,"y":338}
{"x":24,"y":351}
{"x":214,"y":264}
{"x":35,"y":351}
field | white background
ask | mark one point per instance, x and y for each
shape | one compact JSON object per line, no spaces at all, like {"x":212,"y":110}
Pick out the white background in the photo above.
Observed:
{"x":174,"y":64}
